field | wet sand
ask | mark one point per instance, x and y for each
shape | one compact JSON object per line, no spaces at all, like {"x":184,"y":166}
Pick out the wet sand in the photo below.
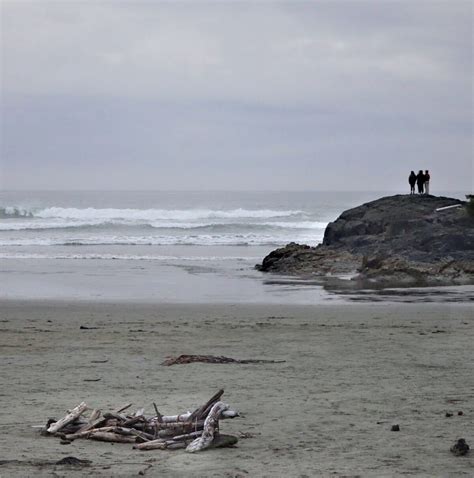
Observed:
{"x":350,"y":373}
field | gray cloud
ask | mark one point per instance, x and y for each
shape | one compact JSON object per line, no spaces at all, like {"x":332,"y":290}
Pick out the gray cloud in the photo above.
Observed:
{"x":236,"y":95}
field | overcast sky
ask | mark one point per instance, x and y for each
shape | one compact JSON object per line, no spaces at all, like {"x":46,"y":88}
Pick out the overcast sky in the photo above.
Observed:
{"x":341,"y":95}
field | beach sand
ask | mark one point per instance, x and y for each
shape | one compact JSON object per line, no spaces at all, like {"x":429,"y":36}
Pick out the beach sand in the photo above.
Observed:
{"x":350,"y":373}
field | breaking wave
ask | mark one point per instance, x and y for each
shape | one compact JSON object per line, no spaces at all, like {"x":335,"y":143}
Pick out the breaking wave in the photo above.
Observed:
{"x":244,"y":239}
{"x":63,"y":226}
{"x":212,"y":226}
{"x":139,"y":215}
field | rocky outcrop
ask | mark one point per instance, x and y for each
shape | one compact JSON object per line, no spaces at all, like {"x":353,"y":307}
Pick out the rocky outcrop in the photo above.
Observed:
{"x":394,"y":240}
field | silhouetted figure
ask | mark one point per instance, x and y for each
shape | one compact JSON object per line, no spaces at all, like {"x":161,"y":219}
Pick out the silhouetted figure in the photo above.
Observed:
{"x":420,"y":181}
{"x":412,"y":182}
{"x":427,"y":182}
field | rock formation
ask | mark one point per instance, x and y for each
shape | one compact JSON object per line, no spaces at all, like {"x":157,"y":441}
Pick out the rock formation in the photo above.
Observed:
{"x":395,"y":240}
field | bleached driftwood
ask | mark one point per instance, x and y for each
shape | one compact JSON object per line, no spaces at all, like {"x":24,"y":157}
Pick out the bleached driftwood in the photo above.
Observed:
{"x":134,"y":420}
{"x":197,"y":414}
{"x":116,"y":416}
{"x":92,"y":422}
{"x":70,"y":417}
{"x":142,"y":436}
{"x":176,"y":445}
{"x":87,"y":433}
{"x":210,"y":426}
{"x":179,"y":441}
{"x":159,"y":444}
{"x":111,"y":437}
{"x":185,"y":417}
{"x":198,"y":430}
{"x":176,"y":426}
{"x":114,"y":429}
{"x":172,"y":432}
{"x":188,"y":436}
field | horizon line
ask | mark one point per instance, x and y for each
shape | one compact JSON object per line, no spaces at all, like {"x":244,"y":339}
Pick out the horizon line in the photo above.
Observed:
{"x":385,"y":191}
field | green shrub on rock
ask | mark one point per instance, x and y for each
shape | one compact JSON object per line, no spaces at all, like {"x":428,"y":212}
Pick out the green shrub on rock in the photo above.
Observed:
{"x":470,"y":205}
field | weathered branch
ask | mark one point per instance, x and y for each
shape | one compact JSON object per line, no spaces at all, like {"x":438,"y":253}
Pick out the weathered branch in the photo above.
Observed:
{"x":112,"y":437}
{"x":159,"y":444}
{"x":88,"y":433}
{"x":197,"y":414}
{"x":70,"y":417}
{"x":173,"y":420}
{"x":210,"y":426}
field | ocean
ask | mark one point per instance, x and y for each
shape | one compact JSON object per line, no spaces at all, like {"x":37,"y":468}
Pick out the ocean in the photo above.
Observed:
{"x":160,"y":246}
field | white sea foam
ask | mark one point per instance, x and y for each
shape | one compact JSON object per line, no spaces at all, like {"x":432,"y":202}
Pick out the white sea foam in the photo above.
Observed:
{"x":244,"y":239}
{"x":234,"y":226}
{"x":126,"y":257}
{"x":24,"y":225}
{"x":72,"y":226}
{"x":144,"y":215}
{"x":296,"y":225}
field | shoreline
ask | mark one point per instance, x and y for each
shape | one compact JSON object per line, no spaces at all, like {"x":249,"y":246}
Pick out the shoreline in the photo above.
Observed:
{"x":350,"y":372}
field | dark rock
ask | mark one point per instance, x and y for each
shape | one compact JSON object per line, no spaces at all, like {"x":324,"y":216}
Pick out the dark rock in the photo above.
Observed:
{"x":460,"y":448}
{"x":44,"y":431}
{"x":448,"y":414}
{"x":283,"y":253}
{"x":460,"y":413}
{"x":395,"y":240}
{"x":73,"y":461}
{"x":395,"y":428}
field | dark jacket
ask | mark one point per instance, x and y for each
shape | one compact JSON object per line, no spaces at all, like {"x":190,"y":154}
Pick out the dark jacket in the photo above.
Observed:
{"x":412,"y":179}
{"x":420,"y":178}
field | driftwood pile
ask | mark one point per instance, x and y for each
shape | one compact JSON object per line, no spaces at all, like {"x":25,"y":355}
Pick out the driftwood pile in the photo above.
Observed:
{"x":194,"y":431}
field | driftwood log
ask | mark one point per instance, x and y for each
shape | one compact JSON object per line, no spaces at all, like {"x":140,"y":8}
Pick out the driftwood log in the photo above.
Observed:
{"x":195,"y":431}
{"x":184,"y":359}
{"x":112,"y":437}
{"x":70,"y":417}
{"x":210,"y":427}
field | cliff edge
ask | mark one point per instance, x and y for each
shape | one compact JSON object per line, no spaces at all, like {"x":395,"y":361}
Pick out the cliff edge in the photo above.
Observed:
{"x":395,"y":240}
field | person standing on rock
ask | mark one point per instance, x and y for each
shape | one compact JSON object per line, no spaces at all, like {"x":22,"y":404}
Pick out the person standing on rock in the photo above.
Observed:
{"x":412,"y":182}
{"x":420,"y":181}
{"x":427,"y":182}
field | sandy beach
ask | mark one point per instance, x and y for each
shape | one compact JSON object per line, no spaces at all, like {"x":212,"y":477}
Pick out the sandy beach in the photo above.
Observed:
{"x":234,"y":179}
{"x":350,"y":373}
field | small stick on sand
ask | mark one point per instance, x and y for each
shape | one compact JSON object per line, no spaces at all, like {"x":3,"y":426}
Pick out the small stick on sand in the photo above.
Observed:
{"x":121,"y":409}
{"x":159,"y":416}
